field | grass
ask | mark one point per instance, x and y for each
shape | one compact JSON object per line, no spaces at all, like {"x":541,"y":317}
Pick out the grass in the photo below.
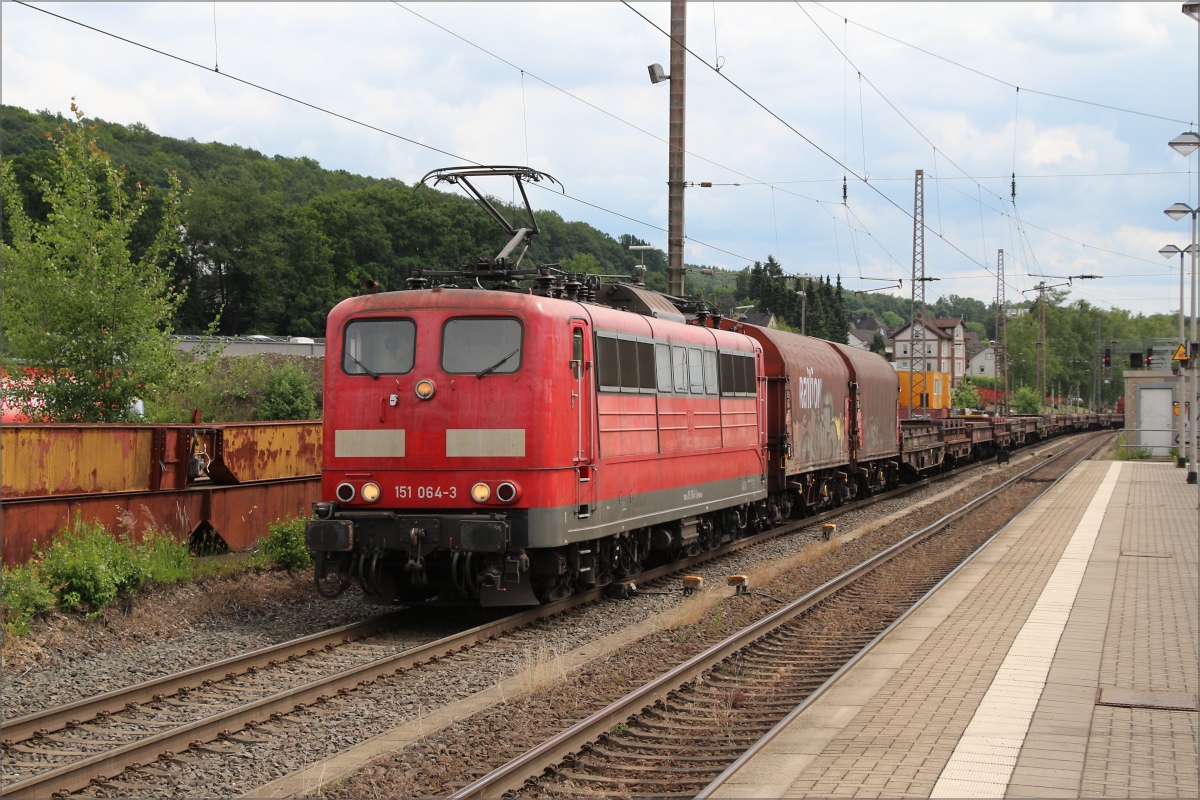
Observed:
{"x":767,"y":571}
{"x":706,"y":603}
{"x":540,"y":669}
{"x":87,"y":567}
{"x":1124,"y":453}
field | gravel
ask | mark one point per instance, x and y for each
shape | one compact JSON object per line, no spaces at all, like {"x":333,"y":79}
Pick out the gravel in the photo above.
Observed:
{"x":301,"y":739}
{"x":105,"y":655}
{"x":250,"y":759}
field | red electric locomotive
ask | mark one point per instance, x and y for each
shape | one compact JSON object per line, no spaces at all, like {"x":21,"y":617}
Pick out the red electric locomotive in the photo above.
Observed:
{"x":505,"y":447}
{"x":509,"y":446}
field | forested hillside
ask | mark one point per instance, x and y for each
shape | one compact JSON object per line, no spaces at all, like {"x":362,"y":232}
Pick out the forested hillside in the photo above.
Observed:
{"x":276,"y":242}
{"x":273,"y":243}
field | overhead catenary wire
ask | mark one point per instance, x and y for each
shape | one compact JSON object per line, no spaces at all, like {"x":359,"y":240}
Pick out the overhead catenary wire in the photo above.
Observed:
{"x":794,"y":130}
{"x":1001,"y":80}
{"x":776,"y":184}
{"x":1016,"y":214}
{"x":885,"y":98}
{"x":352,"y":120}
{"x":249,"y":83}
{"x":592,"y":105}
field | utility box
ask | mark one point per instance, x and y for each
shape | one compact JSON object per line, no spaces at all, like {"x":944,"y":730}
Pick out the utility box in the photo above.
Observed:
{"x":1150,"y":418}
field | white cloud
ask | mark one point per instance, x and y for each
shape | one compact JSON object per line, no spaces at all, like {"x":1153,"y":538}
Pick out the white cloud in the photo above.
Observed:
{"x":382,"y":65}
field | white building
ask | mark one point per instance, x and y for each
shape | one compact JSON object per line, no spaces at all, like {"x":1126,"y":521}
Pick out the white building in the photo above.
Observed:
{"x":983,"y":363}
{"x":938,"y":348}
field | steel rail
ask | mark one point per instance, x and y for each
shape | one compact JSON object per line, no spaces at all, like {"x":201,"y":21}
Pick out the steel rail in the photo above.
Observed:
{"x":74,"y":776}
{"x":57,"y":718}
{"x":783,"y":724}
{"x":514,"y":774}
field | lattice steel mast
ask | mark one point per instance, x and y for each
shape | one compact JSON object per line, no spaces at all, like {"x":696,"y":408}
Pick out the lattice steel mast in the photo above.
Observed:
{"x":1000,"y":346}
{"x":918,"y":326}
{"x":1041,"y":345}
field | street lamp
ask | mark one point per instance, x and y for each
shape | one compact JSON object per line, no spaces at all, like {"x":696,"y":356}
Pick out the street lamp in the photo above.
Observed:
{"x":1185,"y":144}
{"x":1167,"y":252}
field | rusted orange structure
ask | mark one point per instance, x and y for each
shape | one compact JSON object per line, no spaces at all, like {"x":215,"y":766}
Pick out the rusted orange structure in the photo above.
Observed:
{"x":937,"y":386}
{"x":232,"y":478}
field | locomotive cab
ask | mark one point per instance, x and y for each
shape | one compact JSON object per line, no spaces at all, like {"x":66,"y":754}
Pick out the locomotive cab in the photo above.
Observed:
{"x":452,"y":413}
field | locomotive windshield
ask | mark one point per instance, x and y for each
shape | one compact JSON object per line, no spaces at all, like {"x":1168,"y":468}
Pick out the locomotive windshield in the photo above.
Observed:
{"x":379,"y":347}
{"x":481,"y":346}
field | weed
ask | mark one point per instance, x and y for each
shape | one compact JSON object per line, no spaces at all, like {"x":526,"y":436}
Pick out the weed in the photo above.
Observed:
{"x":284,"y":545}
{"x":620,"y":729}
{"x":22,"y":595}
{"x":718,"y":616}
{"x":167,"y":561}
{"x":764,"y":572}
{"x":541,"y":669}
{"x":87,"y":564}
{"x":1124,"y":453}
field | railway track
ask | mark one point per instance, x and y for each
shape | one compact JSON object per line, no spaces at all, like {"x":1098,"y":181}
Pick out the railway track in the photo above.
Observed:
{"x":67,"y":748}
{"x":679,"y":734}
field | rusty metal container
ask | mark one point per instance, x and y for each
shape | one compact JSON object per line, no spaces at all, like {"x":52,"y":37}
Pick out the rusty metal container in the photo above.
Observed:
{"x":233,"y":478}
{"x":43,"y":460}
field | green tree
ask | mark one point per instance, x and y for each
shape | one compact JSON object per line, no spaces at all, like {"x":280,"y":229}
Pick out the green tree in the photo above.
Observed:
{"x":1026,"y":401}
{"x":879,"y":344}
{"x":288,"y":396}
{"x":87,"y":324}
{"x":582,"y":262}
{"x":965,"y":395}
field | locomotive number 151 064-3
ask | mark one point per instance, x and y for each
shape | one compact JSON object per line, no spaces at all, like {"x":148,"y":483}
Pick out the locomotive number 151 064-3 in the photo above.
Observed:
{"x":426,"y":492}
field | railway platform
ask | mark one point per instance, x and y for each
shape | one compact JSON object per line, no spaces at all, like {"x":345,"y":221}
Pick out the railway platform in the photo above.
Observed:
{"x":1060,"y":662}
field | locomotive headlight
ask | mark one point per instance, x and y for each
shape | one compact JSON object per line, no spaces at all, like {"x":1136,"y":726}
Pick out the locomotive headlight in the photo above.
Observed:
{"x":369,"y":492}
{"x":480,"y":492}
{"x":344,"y":492}
{"x":424,"y":389}
{"x":506,"y":492}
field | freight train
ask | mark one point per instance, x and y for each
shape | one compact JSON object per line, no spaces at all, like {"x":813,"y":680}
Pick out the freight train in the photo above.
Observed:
{"x":511,"y":445}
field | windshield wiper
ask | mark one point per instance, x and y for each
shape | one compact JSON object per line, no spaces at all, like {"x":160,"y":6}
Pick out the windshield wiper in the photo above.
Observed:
{"x":495,"y":366}
{"x":365,"y":368}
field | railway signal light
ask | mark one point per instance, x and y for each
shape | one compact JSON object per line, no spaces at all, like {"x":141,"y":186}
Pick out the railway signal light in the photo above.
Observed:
{"x":1107,"y":358}
{"x":1149,"y":358}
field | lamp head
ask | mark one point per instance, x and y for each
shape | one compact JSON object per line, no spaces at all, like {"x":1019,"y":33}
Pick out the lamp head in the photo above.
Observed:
{"x":1185,"y":143}
{"x":1192,"y":10}
{"x":1178,"y":211}
{"x":1169,"y":250}
{"x":656,"y":73}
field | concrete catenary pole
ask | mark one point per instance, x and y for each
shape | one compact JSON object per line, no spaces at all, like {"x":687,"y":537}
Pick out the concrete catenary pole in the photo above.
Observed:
{"x":675,"y":174}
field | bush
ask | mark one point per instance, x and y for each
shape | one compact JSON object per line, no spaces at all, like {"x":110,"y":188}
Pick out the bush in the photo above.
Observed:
{"x":22,"y":595}
{"x":87,"y":564}
{"x":284,"y":545}
{"x":166,"y":560}
{"x":288,"y":396}
{"x":1026,"y":401}
{"x":965,"y":395}
{"x":236,"y":388}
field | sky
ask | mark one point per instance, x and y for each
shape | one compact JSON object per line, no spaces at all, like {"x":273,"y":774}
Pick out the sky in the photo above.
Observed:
{"x":806,"y":93}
